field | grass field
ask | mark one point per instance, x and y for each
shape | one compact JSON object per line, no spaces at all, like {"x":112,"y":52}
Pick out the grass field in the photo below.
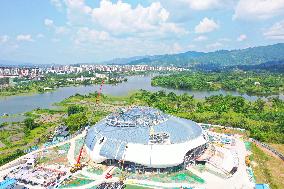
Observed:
{"x":268,"y":169}
{"x":278,"y":147}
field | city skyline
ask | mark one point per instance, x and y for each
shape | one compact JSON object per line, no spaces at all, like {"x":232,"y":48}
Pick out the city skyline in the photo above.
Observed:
{"x":72,"y":31}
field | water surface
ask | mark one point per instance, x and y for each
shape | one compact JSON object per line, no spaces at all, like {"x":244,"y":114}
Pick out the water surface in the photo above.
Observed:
{"x":21,"y":104}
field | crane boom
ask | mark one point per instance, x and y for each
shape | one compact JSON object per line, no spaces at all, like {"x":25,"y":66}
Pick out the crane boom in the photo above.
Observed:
{"x":100,"y":91}
{"x":80,"y":155}
{"x":78,"y":165}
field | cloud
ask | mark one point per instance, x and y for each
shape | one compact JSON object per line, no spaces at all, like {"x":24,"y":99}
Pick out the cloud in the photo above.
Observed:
{"x":200,"y":38}
{"x":48,"y":22}
{"x":120,"y":18}
{"x":176,"y":48}
{"x":276,"y":31}
{"x":119,"y":47}
{"x":55,"y":40}
{"x":123,"y":18}
{"x":91,"y":36}
{"x":78,"y":13}
{"x":23,"y":37}
{"x":114,"y":27}
{"x":61,"y":30}
{"x":191,"y":47}
{"x":40,"y":35}
{"x":58,"y":29}
{"x":207,"y":4}
{"x":206,"y":25}
{"x":214,"y":46}
{"x":57,"y":3}
{"x":4,"y":38}
{"x":202,"y":4}
{"x":224,"y":39}
{"x":242,"y":37}
{"x":258,"y":9}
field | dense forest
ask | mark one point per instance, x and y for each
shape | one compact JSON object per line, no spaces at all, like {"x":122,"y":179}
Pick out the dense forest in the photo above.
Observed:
{"x":271,"y":66}
{"x":249,"y":56}
{"x":263,"y":120}
{"x":263,"y":83}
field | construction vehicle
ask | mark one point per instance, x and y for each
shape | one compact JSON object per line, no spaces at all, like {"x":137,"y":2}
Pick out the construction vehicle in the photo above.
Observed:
{"x":247,"y":161}
{"x":78,"y":165}
{"x":109,"y":173}
{"x":123,"y":175}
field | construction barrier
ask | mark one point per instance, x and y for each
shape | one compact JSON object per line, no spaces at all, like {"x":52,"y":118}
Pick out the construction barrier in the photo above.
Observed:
{"x":207,"y":125}
{"x":268,"y":148}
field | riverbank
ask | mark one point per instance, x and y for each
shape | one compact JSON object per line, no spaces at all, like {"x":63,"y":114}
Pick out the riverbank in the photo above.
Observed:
{"x":17,"y":91}
{"x":24,"y":103}
{"x":259,"y":84}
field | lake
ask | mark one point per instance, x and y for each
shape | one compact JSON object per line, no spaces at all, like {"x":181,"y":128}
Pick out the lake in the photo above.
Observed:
{"x":21,"y":104}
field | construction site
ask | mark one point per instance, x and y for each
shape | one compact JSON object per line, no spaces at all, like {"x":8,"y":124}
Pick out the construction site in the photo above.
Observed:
{"x":135,"y":147}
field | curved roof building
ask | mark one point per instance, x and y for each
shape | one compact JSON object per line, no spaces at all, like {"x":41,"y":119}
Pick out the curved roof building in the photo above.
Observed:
{"x":145,"y":136}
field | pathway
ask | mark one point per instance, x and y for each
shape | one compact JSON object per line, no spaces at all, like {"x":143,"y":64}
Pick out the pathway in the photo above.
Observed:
{"x":16,"y":161}
{"x":71,"y":152}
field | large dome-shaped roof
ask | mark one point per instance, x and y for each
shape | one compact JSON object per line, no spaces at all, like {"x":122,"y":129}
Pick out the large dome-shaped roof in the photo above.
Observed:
{"x":145,"y":136}
{"x":135,"y":124}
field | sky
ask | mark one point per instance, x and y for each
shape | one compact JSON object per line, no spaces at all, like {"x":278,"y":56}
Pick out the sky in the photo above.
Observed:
{"x":79,"y":31}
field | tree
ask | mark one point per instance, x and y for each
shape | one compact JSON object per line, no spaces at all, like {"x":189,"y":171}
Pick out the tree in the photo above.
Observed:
{"x":30,"y":124}
{"x":76,"y":121}
{"x":259,"y":105}
{"x":74,"y":109}
{"x":172,"y":96}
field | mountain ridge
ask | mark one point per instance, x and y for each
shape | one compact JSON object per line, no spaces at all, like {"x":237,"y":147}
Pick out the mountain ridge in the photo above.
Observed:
{"x":248,"y":56}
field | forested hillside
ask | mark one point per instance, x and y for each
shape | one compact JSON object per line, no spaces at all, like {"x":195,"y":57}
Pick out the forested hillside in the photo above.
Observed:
{"x":249,"y":56}
{"x":271,"y":66}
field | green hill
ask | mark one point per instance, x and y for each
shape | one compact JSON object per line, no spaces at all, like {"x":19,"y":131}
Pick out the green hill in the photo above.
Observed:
{"x":249,"y":56}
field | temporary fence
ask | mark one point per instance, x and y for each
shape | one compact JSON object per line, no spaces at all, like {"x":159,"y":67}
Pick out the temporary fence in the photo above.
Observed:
{"x":281,"y":156}
{"x":208,"y":125}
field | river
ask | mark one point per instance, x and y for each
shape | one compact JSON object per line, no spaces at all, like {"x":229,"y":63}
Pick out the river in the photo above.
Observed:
{"x":21,"y":104}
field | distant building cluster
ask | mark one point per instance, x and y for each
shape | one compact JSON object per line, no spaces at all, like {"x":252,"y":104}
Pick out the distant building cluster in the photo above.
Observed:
{"x":132,"y":68}
{"x":109,"y":68}
{"x":34,"y":72}
{"x":13,"y":72}
{"x":7,"y":74}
